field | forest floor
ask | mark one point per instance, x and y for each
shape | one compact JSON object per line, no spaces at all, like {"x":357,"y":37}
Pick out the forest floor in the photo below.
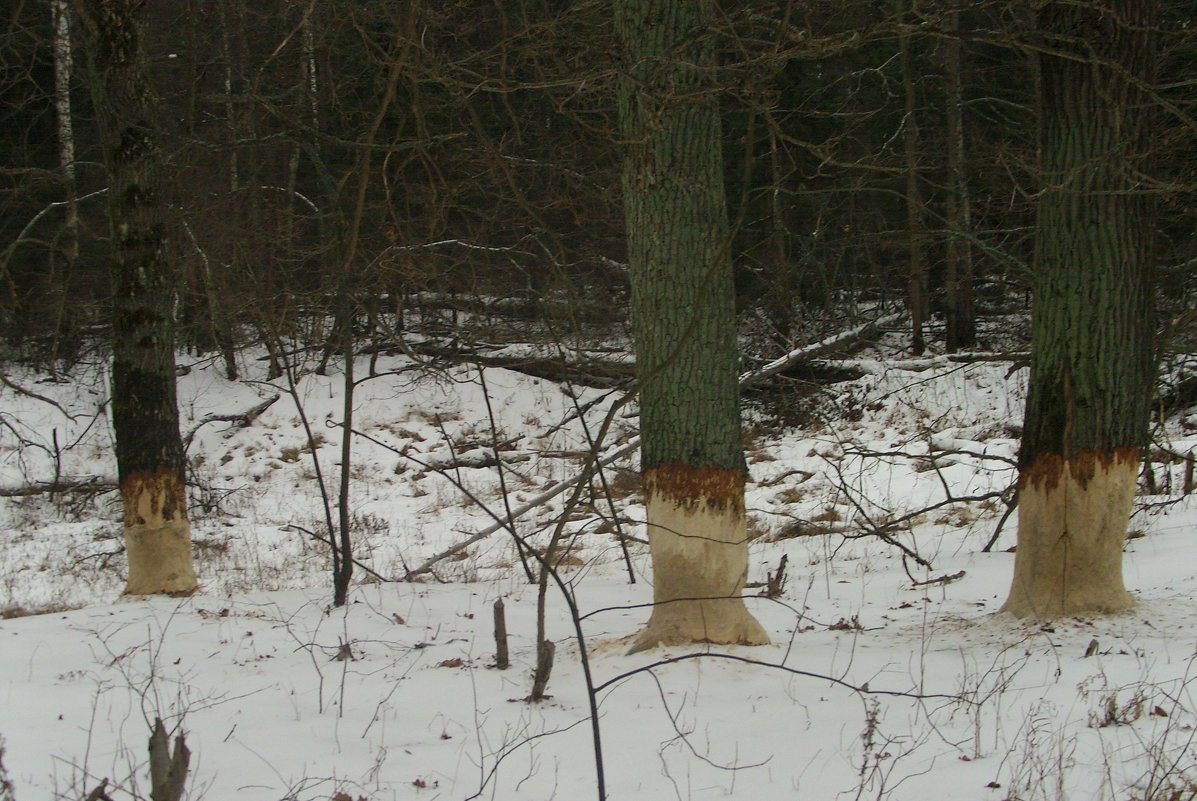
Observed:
{"x":891,"y":673}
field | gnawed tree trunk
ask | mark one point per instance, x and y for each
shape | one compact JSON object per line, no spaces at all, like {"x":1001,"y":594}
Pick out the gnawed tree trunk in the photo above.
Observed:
{"x":1071,"y":525}
{"x":145,"y":415}
{"x":1092,"y":357}
{"x":698,"y":537}
{"x":684,"y":324}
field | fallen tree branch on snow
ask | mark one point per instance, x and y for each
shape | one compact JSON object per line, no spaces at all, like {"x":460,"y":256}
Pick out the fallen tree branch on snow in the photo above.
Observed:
{"x":476,"y":459}
{"x":28,"y":393}
{"x":880,"y":366}
{"x":89,"y":483}
{"x":324,"y":540}
{"x":807,"y":352}
{"x":243,"y":419}
{"x":521,"y":510}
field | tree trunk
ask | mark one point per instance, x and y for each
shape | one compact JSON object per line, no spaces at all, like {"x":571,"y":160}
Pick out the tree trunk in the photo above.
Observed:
{"x":63,"y":337}
{"x":218,"y":316}
{"x":961,"y":312}
{"x":342,"y":550}
{"x":916,"y":297}
{"x":684,"y":325}
{"x":1092,"y":357}
{"x":145,"y":415}
{"x":779,"y":297}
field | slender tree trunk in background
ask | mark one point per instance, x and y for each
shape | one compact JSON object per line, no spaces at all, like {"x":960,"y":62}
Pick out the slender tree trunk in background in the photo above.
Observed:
{"x":145,"y":417}
{"x":308,"y":88}
{"x":684,"y":324}
{"x":1092,"y":356}
{"x":916,"y":296}
{"x":304,"y":142}
{"x":340,"y":310}
{"x":271,"y":326}
{"x":230,"y":107}
{"x":346,"y":314}
{"x":207,"y":320}
{"x":218,"y":315}
{"x":780,"y":301}
{"x":342,"y":550}
{"x":68,"y":254}
{"x":961,"y":311}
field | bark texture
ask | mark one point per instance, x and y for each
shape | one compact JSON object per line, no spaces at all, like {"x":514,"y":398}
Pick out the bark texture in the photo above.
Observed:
{"x":916,"y":297}
{"x":1092,"y":356}
{"x":959,"y":301}
{"x":145,"y":415}
{"x":684,"y":324}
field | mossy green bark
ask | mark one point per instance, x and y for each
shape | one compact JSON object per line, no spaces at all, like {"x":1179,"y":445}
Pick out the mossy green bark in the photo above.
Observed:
{"x":683,"y":310}
{"x":1092,"y":357}
{"x":683,"y":302}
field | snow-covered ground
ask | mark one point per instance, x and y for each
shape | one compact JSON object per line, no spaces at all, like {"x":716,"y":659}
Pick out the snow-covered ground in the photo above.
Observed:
{"x":888,"y":677}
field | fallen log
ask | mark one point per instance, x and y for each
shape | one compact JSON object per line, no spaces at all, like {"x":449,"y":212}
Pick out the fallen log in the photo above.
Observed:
{"x":243,"y":419}
{"x":831,"y":344}
{"x":609,"y":373}
{"x":552,"y":492}
{"x":588,"y":372}
{"x":89,"y":483}
{"x":880,"y":366}
{"x":476,"y":459}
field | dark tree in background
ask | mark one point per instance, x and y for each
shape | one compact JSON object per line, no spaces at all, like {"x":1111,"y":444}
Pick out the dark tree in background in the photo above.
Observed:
{"x":145,"y":415}
{"x":495,"y":171}
{"x":1092,"y":359}
{"x":916,"y":294}
{"x":959,"y":304}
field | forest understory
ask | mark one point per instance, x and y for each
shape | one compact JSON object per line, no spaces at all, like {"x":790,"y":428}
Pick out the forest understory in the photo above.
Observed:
{"x":879,"y":502}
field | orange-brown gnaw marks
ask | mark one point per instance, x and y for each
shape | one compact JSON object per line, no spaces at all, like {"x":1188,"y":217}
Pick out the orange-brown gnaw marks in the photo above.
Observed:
{"x":1048,"y":468}
{"x":151,"y":497}
{"x":720,"y":488}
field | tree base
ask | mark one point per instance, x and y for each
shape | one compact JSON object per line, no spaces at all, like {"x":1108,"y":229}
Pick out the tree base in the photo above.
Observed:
{"x":1072,"y":518}
{"x":715,"y":624}
{"x":700,"y":561}
{"x":157,"y":565}
{"x":157,"y":536}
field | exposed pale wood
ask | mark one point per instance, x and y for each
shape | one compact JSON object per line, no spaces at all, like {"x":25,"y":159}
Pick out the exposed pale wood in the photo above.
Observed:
{"x":1071,"y":530}
{"x":697,"y":597}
